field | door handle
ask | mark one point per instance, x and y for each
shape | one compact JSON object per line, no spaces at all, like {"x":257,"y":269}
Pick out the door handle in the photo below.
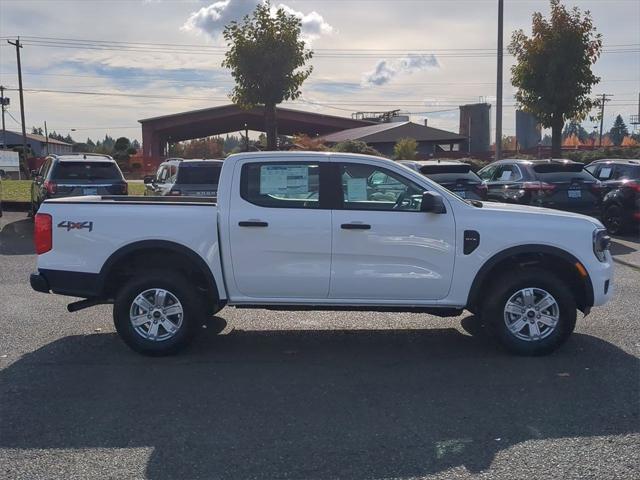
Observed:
{"x":253,"y":223}
{"x":355,"y":226}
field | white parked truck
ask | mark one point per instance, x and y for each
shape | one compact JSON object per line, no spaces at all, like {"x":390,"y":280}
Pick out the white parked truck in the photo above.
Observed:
{"x":313,"y":231}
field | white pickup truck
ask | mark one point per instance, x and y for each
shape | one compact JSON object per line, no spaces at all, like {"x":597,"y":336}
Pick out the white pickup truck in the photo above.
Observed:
{"x":314,"y":231}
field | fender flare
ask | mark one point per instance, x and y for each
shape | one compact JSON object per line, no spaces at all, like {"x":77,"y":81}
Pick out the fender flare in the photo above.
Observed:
{"x":147,"y":245}
{"x":476,"y":290}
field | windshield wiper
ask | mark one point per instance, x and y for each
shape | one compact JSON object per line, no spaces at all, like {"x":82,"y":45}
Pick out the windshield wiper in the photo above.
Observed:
{"x":475,"y":203}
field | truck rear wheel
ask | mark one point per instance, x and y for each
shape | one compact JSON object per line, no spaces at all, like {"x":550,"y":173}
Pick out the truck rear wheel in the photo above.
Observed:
{"x":158,"y":314}
{"x":531,"y":311}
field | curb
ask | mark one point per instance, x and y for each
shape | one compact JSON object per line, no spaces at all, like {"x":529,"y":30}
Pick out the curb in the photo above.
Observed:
{"x":628,"y":264}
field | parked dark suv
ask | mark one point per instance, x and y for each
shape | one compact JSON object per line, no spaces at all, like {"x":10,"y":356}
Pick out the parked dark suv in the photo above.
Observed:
{"x":452,"y":175}
{"x":76,"y":174}
{"x":621,"y":188}
{"x":558,"y":184}
{"x":177,"y":177}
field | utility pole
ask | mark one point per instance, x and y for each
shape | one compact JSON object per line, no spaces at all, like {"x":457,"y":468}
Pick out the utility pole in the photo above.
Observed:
{"x":246,"y":138}
{"x":24,"y":128}
{"x":46,"y":136}
{"x":499,"y":82}
{"x":3,"y":102}
{"x":602,"y":102}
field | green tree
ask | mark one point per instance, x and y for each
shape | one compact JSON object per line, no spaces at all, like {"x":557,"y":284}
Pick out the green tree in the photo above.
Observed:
{"x":553,"y":68}
{"x":355,"y":146}
{"x":618,"y":131}
{"x":37,"y":131}
{"x":267,"y":59}
{"x":122,"y":144}
{"x":405,"y":149}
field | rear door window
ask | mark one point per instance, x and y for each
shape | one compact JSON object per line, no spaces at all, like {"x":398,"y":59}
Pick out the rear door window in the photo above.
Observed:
{"x":281,"y":185}
{"x":605,"y":172}
{"x":507,"y":173}
{"x":86,"y":171}
{"x":199,"y":175}
{"x":487,"y":172}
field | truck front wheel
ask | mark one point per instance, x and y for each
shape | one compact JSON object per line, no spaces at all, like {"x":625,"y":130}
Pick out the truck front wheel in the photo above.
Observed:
{"x":158,"y":313}
{"x":531,"y":311}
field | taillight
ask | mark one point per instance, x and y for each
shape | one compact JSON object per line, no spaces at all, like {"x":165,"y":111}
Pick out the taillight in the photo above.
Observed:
{"x":540,"y":187}
{"x":633,"y":185}
{"x":50,"y":186}
{"x":175,"y":193}
{"x":42,"y":233}
{"x":596,"y":188}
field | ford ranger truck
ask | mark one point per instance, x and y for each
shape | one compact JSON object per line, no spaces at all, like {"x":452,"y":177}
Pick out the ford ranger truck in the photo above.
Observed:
{"x":322,"y":231}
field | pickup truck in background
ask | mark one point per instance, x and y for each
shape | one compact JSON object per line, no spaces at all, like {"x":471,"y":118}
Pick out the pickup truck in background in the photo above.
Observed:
{"x":313,"y":231}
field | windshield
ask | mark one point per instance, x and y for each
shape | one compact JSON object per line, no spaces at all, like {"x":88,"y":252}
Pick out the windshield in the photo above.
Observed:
{"x":86,"y":171}
{"x":201,"y":174}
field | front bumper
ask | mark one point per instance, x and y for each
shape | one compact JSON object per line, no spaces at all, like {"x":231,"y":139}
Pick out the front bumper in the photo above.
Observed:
{"x":601,"y":274}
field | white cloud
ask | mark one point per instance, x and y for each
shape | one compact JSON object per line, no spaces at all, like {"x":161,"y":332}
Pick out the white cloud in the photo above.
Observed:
{"x":313,"y":24}
{"x":386,"y":70}
{"x":210,"y":20}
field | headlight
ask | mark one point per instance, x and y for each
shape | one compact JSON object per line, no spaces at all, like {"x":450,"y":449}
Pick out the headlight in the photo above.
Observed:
{"x":601,"y":241}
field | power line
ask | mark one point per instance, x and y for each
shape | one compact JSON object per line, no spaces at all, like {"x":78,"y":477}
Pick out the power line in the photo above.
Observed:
{"x":192,"y":49}
{"x":14,"y":118}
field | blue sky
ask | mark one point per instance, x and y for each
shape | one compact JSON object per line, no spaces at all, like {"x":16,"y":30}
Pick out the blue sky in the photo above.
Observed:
{"x":416,"y":55}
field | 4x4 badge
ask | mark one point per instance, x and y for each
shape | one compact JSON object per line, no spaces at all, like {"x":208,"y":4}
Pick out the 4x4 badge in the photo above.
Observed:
{"x":75,"y":225}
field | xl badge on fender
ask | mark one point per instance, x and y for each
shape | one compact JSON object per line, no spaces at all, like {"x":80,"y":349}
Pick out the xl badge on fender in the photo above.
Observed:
{"x":75,"y":225}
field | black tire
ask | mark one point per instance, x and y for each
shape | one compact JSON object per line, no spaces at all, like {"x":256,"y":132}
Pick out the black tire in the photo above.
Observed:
{"x":193,"y":316}
{"x":613,"y":219}
{"x":507,"y":285}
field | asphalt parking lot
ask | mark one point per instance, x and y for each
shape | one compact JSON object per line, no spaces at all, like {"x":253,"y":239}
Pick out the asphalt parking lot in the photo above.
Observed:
{"x":310,"y":395}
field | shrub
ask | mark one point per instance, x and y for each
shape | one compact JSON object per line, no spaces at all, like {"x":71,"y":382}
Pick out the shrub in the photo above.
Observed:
{"x":355,"y":146}
{"x":405,"y":149}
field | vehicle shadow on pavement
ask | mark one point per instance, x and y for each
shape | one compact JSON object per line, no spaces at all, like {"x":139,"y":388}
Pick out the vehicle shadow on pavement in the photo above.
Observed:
{"x":15,"y":238}
{"x":315,"y":403}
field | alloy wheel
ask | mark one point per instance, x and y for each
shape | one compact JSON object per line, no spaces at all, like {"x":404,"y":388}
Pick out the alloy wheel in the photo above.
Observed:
{"x":156,"y":314}
{"x":531,"y":314}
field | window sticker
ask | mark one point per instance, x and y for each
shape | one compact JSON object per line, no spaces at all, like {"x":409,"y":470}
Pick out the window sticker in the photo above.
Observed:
{"x":506,"y":175}
{"x":356,"y":189}
{"x":605,"y":172}
{"x":284,"y":180}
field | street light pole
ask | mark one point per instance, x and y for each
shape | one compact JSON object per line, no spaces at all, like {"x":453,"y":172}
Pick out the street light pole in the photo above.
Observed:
{"x":499,"y":82}
{"x":24,"y":127}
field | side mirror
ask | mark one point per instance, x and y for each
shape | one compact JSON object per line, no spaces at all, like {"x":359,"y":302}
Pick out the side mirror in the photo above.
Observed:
{"x":433,"y":203}
{"x":148,"y":179}
{"x":34,"y":173}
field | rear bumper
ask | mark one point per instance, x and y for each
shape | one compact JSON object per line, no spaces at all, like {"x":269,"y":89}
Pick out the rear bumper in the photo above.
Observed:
{"x":73,"y":284}
{"x":39,"y":283}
